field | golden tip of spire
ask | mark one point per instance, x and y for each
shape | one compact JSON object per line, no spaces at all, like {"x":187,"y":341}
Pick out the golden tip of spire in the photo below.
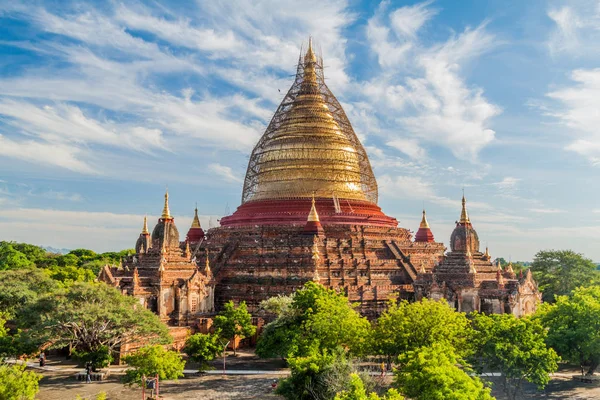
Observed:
{"x":313,"y":216}
{"x":145,"y":228}
{"x":424,"y":223}
{"x":310,"y":54}
{"x":196,"y":220}
{"x":464,"y":215}
{"x":166,"y":214}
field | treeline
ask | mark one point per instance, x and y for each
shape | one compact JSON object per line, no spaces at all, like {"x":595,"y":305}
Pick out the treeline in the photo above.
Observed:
{"x":80,"y":265}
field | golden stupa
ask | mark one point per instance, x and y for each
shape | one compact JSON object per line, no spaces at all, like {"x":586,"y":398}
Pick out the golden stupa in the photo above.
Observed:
{"x":309,"y":147}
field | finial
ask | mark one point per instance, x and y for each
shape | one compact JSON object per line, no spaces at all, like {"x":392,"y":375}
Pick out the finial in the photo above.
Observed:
{"x":424,"y":223}
{"x":207,"y":265}
{"x":422,"y":270}
{"x":509,"y":268}
{"x":310,"y":54}
{"x":145,"y":228}
{"x":313,"y":216}
{"x":464,"y":216}
{"x":487,"y":254}
{"x":166,"y":214}
{"x":196,"y":220}
{"x":498,"y":265}
{"x":315,"y":249}
{"x":500,"y":278}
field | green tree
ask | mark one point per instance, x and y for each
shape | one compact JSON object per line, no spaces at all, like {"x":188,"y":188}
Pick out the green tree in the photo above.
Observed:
{"x":10,"y":258}
{"x":18,"y":384}
{"x":357,"y":391}
{"x":310,"y":376}
{"x":280,"y":305}
{"x":19,"y":288}
{"x":33,"y":253}
{"x":203,"y":348}
{"x":559,"y":272}
{"x":90,"y":316}
{"x":408,"y":326}
{"x":431,"y":373}
{"x":153,"y":360}
{"x":317,"y":319}
{"x":235,"y":322}
{"x":515,"y":347}
{"x":573,"y":324}
{"x":71,"y":273}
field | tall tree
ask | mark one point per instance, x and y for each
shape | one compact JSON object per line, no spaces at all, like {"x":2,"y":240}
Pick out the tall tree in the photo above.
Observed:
{"x":19,"y":289}
{"x":235,"y":322}
{"x":90,"y":317}
{"x":559,"y":272}
{"x":151,"y":361}
{"x":317,"y":319}
{"x":515,"y":347}
{"x":431,"y":372}
{"x":203,"y":348}
{"x":573,"y":324}
{"x":408,"y":326}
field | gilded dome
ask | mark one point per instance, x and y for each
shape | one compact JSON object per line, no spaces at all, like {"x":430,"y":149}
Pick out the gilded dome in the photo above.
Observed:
{"x":309,"y":147}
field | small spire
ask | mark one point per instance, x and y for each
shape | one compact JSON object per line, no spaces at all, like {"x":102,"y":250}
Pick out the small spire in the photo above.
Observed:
{"x":310,"y":54}
{"x":422,"y":270}
{"x":487,"y":254}
{"x":207,"y":265}
{"x":424,"y":223}
{"x":500,"y":278}
{"x":464,"y":216}
{"x":509,"y":267}
{"x":145,"y":228}
{"x":315,"y":249}
{"x":196,"y":221}
{"x":313,"y":216}
{"x":498,"y":265}
{"x":166,"y":214}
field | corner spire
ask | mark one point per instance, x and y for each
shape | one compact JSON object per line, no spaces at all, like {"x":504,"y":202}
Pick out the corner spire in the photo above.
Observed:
{"x":313,"y":216}
{"x":145,"y":230}
{"x":166,"y":214}
{"x":310,"y":54}
{"x":464,"y":216}
{"x":424,"y":223}
{"x":196,"y":221}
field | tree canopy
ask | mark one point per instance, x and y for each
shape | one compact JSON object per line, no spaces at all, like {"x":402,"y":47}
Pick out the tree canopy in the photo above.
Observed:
{"x":515,"y":347}
{"x":153,"y":360}
{"x":405,"y":327}
{"x":234,"y":322}
{"x":317,"y":319}
{"x":88,"y":317}
{"x":18,"y":384}
{"x":573,"y":324}
{"x":203,"y":348}
{"x":559,"y":272}
{"x":431,"y":373}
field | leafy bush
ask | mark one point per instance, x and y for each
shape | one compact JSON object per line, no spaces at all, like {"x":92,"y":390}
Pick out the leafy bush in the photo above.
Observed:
{"x":153,"y":360}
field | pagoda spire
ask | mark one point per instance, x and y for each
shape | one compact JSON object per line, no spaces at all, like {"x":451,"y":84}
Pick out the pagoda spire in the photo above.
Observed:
{"x":313,"y":216}
{"x":464,"y":216}
{"x":424,"y":223}
{"x":145,"y":230}
{"x":166,"y":214}
{"x":487,"y":255}
{"x":196,"y":220}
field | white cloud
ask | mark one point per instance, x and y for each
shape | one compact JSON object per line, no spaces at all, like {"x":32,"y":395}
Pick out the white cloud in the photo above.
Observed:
{"x":224,"y":172}
{"x":546,"y":210}
{"x":410,"y":147}
{"x":434,"y":103}
{"x":577,"y":109}
{"x":577,"y":28}
{"x":507,"y":183}
{"x":59,"y":155}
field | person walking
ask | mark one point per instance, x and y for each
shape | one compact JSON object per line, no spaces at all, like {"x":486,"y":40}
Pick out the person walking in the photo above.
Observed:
{"x":42,"y":359}
{"x":88,"y":372}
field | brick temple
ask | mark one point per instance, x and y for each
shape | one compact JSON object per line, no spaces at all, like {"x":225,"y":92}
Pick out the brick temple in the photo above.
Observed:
{"x":309,"y":213}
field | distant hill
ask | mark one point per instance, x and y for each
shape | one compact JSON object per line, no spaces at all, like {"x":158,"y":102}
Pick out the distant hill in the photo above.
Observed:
{"x":50,"y":249}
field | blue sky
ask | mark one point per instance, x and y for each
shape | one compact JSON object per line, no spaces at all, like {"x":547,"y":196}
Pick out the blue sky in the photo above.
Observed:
{"x":104,"y":104}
